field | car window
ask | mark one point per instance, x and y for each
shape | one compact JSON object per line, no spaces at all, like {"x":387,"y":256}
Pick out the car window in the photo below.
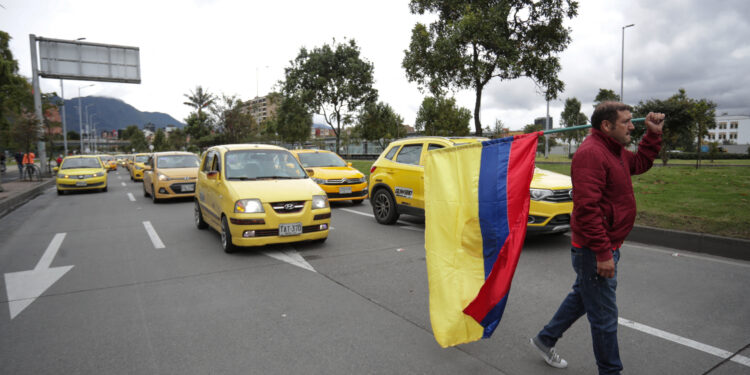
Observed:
{"x":409,"y":154}
{"x":216,"y":163}
{"x":81,"y":163}
{"x":392,"y":152}
{"x":321,"y":159}
{"x":177,"y":161}
{"x":433,"y":146}
{"x":262,"y":164}
{"x":208,"y":162}
{"x":141,"y":158}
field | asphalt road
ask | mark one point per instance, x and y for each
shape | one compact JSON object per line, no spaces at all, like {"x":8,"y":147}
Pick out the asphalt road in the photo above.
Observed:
{"x":115,"y":300}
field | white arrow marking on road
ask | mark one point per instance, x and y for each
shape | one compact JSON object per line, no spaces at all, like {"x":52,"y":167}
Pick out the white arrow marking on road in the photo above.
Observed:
{"x":152,"y":234}
{"x":292,"y":257}
{"x":123,"y":184}
{"x":26,"y":286}
{"x":131,"y":197}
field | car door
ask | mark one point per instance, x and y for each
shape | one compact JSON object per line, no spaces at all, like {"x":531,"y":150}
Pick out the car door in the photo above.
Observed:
{"x":148,"y":175}
{"x":207,"y":188}
{"x":409,"y":184}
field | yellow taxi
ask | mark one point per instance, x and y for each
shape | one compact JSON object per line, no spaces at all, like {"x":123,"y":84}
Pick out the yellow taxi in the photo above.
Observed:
{"x":170,"y":175}
{"x":137,"y":166}
{"x":338,"y":178}
{"x":129,"y":161}
{"x":121,"y":159}
{"x":83,"y":172}
{"x":397,"y":186}
{"x":255,"y":195}
{"x":109,"y":162}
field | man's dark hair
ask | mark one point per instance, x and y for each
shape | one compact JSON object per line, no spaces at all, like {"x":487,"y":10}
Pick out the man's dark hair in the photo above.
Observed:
{"x":607,"y":111}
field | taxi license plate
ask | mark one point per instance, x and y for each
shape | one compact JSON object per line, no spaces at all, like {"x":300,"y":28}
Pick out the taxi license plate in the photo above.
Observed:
{"x":188,"y":188}
{"x":80,"y":183}
{"x":345,"y":190}
{"x":290,"y":229}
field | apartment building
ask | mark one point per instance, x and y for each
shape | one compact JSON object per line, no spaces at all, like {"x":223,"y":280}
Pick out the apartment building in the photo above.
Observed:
{"x":261,"y":107}
{"x":730,"y":128}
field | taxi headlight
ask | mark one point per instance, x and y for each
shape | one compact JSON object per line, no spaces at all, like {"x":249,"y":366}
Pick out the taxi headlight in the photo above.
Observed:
{"x":248,"y":206}
{"x":319,"y":201}
{"x":98,"y":174}
{"x":62,"y":175}
{"x":163,"y":177}
{"x":319,"y":180}
{"x":540,"y":194}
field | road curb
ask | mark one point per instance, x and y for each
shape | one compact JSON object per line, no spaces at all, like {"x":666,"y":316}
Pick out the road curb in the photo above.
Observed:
{"x":727,"y":247}
{"x":17,"y":200}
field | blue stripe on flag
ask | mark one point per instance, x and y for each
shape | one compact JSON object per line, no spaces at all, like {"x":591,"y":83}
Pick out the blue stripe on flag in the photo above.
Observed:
{"x":493,"y":206}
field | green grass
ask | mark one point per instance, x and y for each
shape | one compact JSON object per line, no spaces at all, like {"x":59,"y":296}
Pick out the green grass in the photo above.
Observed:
{"x":705,"y":200}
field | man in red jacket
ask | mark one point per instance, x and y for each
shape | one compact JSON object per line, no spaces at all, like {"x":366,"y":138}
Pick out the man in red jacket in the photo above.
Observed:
{"x":603,"y":215}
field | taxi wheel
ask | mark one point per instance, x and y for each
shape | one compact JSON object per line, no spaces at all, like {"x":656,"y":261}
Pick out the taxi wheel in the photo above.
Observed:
{"x":199,"y":222}
{"x":226,"y":237}
{"x":384,"y":207}
{"x":145,"y":193}
{"x":153,"y":195}
{"x":104,"y":189}
{"x":60,"y":192}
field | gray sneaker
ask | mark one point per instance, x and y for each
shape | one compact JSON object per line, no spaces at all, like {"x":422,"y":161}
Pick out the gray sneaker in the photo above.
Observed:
{"x":549,"y":354}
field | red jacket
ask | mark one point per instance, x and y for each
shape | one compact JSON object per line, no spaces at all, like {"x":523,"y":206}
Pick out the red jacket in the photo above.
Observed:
{"x":603,"y":200}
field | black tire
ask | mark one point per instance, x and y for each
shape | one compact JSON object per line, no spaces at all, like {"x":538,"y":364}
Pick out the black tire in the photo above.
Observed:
{"x":199,"y":222}
{"x":60,"y":192}
{"x":104,"y":189}
{"x":226,"y":237}
{"x":357,"y":202}
{"x":384,"y":207}
{"x":153,"y":195}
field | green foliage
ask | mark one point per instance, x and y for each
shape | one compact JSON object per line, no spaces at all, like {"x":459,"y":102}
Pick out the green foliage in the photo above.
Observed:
{"x":16,"y":100}
{"x":685,"y":119}
{"x":472,"y":42}
{"x":137,"y":141}
{"x":294,"y":121}
{"x":198,"y":122}
{"x":177,"y":139}
{"x":572,"y":116}
{"x":198,"y":126}
{"x":606,"y":95}
{"x":160,"y":141}
{"x":441,"y":116}
{"x":234,"y":123}
{"x":332,"y":80}
{"x":73,"y":135}
{"x":199,"y":99}
{"x":379,"y":122}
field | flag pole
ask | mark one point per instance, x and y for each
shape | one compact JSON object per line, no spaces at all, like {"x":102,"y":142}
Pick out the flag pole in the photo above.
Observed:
{"x":579,"y":127}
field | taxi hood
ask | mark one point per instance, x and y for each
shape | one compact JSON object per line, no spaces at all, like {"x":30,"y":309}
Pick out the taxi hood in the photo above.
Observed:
{"x":544,"y":179}
{"x":328,"y":173}
{"x":191,"y":172}
{"x":281,"y":190}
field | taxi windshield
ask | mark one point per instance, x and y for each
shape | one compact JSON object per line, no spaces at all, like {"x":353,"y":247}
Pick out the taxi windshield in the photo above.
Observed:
{"x":141,"y":158}
{"x":262,"y":164}
{"x":106,"y":158}
{"x":177,"y":161}
{"x":80,"y":163}
{"x":321,"y":159}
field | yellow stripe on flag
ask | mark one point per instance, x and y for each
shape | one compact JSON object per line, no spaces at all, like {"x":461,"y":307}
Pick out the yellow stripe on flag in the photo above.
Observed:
{"x":453,"y":241}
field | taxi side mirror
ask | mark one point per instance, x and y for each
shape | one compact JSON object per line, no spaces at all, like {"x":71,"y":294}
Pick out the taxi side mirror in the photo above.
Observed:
{"x":213,"y":175}
{"x":310,"y":172}
{"x":55,"y":169}
{"x":349,"y":164}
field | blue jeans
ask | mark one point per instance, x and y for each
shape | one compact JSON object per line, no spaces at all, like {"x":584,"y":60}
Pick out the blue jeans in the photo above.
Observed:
{"x":594,"y":296}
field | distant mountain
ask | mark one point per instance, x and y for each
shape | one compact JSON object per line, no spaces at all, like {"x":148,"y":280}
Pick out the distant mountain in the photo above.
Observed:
{"x":110,"y":114}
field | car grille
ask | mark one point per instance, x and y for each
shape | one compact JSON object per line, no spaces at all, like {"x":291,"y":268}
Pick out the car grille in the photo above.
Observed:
{"x":82,"y":187}
{"x":288,"y":207}
{"x":275,"y":232}
{"x":177,"y":188}
{"x":564,"y":195}
{"x":354,"y":194}
{"x":560,"y":219}
{"x":345,"y":181}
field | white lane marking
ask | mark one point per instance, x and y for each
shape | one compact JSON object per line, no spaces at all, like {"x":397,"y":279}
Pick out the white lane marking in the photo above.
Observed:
{"x":292,"y":257}
{"x":123,"y":184}
{"x":672,"y":252}
{"x":684,"y":341}
{"x":152,"y":234}
{"x":119,"y":177}
{"x":357,"y":212}
{"x":25,"y":287}
{"x":131,"y":197}
{"x":405,"y":225}
{"x":412,"y":228}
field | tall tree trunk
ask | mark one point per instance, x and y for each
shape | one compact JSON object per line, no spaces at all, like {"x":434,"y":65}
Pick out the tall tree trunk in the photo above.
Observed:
{"x":477,"y":106}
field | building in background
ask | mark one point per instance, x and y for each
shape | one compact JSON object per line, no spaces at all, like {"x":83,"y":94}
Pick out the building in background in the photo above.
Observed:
{"x":261,"y":107}
{"x":730,"y":130}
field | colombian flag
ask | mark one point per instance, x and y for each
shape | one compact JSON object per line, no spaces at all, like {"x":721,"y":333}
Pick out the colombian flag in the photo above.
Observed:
{"x":476,"y":208}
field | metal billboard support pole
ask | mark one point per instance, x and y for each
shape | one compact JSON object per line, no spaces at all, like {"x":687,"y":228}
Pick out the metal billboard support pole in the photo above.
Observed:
{"x":38,"y":104}
{"x":64,"y":122}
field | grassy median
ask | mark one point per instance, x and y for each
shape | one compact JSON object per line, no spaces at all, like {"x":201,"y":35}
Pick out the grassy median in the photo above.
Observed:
{"x":714,"y":200}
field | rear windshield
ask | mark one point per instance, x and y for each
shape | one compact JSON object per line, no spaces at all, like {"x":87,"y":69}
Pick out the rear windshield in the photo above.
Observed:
{"x":177,"y":161}
{"x":321,"y":159}
{"x":80,"y":163}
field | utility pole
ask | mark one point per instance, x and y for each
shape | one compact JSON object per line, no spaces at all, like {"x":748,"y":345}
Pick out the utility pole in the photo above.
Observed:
{"x":622,"y":62}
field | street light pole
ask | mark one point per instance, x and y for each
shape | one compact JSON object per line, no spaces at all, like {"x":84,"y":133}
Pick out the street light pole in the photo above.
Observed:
{"x":80,"y":117}
{"x":622,"y":61}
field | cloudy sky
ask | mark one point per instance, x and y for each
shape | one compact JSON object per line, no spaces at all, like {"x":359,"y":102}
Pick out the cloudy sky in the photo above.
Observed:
{"x":242,"y":48}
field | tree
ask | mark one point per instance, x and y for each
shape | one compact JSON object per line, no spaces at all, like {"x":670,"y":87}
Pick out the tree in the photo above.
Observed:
{"x":441,"y":116}
{"x":160,"y":141}
{"x":199,"y":99}
{"x":235,"y":124}
{"x":685,"y":120}
{"x":530,"y":128}
{"x":572,"y":116}
{"x":198,"y":122}
{"x":16,"y":100}
{"x":294,"y":121}
{"x":177,"y":140}
{"x":473,"y":42}
{"x":378,"y":122}
{"x":137,"y":140}
{"x":332,"y":80}
{"x":605,"y":95}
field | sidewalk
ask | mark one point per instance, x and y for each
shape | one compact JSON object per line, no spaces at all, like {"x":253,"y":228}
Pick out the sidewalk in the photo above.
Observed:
{"x":19,"y":192}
